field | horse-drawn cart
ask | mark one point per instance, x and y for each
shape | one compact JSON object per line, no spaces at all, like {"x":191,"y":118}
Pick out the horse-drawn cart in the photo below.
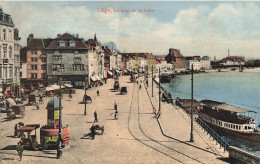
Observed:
{"x":18,"y":109}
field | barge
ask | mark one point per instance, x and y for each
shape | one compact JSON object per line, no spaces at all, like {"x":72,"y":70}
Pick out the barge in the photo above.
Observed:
{"x":224,"y":119}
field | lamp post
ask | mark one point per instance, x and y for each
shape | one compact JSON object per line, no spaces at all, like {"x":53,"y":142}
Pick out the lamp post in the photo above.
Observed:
{"x":85,"y":96}
{"x":59,"y":148}
{"x":159,"y":89}
{"x":191,"y":112}
{"x":152,"y":81}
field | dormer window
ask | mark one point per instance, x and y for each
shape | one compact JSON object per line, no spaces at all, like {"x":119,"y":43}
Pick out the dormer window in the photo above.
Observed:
{"x":72,"y":43}
{"x":62,"y":43}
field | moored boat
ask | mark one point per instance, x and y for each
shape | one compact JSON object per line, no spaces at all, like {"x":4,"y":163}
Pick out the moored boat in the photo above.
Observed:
{"x":224,"y":118}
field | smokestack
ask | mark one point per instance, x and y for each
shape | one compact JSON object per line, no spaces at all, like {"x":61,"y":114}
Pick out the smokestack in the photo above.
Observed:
{"x":29,"y":38}
{"x":228,"y":52}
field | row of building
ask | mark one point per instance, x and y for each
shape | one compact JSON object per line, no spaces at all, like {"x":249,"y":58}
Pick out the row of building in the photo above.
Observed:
{"x":71,"y":59}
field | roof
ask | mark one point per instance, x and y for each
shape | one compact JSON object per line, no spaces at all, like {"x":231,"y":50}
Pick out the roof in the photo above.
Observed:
{"x":7,"y":21}
{"x":38,"y":44}
{"x":177,"y":53}
{"x":187,"y":103}
{"x":53,"y":103}
{"x":29,"y":128}
{"x":193,"y":61}
{"x":223,"y":106}
{"x":23,"y":55}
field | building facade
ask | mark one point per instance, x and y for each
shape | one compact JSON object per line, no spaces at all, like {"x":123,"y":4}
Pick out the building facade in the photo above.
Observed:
{"x":34,"y":54}
{"x":9,"y":54}
{"x":175,"y":57}
{"x":195,"y":63}
{"x":67,"y":60}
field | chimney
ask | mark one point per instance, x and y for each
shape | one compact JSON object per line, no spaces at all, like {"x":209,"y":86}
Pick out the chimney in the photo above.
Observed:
{"x":29,"y":38}
{"x":77,"y":35}
{"x":171,"y":51}
{"x":58,"y":35}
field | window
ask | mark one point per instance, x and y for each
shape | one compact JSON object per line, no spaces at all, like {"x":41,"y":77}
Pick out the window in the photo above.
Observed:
{"x":72,"y":43}
{"x":4,"y":32}
{"x":81,"y":68}
{"x":61,"y":67}
{"x":11,"y":72}
{"x":74,"y":67}
{"x":16,"y":58}
{"x":34,"y":67}
{"x":44,"y":75}
{"x":55,"y":67}
{"x":43,"y":59}
{"x":34,"y":75}
{"x":5,"y":50}
{"x":1,"y":72}
{"x":62,"y":43}
{"x":34,"y":59}
{"x":245,"y":127}
{"x":43,"y":66}
{"x":56,"y":58}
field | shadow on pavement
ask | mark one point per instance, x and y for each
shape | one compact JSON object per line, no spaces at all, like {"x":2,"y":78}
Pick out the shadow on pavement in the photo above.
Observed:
{"x":10,"y":147}
{"x":86,"y":136}
{"x":10,"y":136}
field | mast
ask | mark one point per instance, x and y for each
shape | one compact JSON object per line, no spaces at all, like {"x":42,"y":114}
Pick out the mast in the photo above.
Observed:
{"x":191,"y":111}
{"x":159,"y":89}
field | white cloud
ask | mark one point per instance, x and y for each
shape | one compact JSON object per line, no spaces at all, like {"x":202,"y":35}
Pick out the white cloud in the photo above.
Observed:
{"x":202,"y":30}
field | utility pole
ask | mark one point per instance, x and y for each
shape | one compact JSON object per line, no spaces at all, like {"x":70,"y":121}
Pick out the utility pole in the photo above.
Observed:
{"x":152,"y":81}
{"x":59,"y":148}
{"x":85,"y":96}
{"x":191,"y":111}
{"x":159,"y":89}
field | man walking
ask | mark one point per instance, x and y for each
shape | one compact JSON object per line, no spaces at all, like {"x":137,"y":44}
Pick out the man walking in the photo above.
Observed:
{"x":19,"y":149}
{"x":95,"y":116}
{"x":98,"y":93}
{"x":115,"y":105}
{"x":93,"y":132}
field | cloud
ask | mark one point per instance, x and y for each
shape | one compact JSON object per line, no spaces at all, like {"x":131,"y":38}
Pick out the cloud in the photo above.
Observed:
{"x":200,"y":30}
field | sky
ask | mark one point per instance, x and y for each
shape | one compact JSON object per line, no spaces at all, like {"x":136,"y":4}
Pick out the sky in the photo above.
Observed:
{"x":196,"y":28}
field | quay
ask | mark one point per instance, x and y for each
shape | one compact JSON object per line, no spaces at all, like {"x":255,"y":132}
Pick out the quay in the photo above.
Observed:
{"x":136,"y":137}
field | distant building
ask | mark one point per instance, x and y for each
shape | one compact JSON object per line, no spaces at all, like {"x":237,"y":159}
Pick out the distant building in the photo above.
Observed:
{"x":205,"y":62}
{"x":233,"y":60}
{"x":67,"y":58}
{"x":176,"y":58}
{"x":195,"y":63}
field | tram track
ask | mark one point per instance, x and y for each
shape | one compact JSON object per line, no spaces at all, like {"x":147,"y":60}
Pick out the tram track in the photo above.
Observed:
{"x":182,"y":113}
{"x":152,"y":143}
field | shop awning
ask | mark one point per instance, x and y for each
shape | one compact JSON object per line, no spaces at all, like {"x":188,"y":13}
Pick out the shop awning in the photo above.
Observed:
{"x":68,"y":85}
{"x":49,"y":89}
{"x":97,"y":77}
{"x":93,"y":78}
{"x":110,"y":73}
{"x":101,"y":76}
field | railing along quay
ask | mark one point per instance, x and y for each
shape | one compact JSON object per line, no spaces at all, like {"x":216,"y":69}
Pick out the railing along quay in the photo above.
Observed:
{"x":212,"y":133}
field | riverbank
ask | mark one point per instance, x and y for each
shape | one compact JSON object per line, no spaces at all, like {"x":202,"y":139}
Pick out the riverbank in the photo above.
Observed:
{"x":253,"y":69}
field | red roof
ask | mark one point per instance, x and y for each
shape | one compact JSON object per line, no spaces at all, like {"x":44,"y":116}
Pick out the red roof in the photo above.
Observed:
{"x":177,"y":53}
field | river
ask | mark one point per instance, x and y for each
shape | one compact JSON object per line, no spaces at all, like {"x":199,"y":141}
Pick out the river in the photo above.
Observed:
{"x":241,"y":89}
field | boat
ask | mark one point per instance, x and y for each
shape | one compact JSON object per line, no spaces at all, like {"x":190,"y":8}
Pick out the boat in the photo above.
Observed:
{"x":229,"y":120}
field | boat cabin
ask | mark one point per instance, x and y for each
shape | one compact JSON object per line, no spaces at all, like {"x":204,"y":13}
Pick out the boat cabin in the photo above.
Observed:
{"x":226,"y":116}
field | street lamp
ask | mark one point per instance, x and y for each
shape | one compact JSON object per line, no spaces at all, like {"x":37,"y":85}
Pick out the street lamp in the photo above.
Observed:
{"x":59,"y":148}
{"x":191,"y":111}
{"x":85,"y":96}
{"x":152,"y":81}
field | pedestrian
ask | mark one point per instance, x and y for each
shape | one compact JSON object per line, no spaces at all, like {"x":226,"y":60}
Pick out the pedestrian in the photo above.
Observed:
{"x":15,"y":130}
{"x":95,"y":116}
{"x":98,"y":93}
{"x":41,"y":100}
{"x":116,"y":115}
{"x":115,"y":105}
{"x":70,"y":96}
{"x":37,"y":106}
{"x":105,"y":81}
{"x":19,"y":149}
{"x":93,"y":131}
